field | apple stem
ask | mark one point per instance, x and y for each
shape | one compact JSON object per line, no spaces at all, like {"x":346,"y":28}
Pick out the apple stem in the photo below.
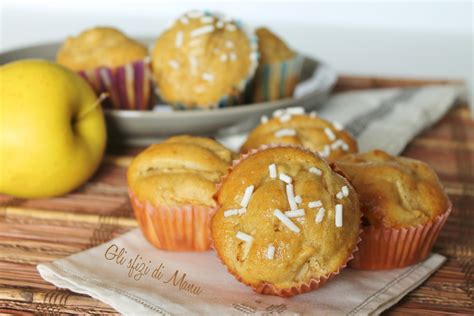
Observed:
{"x":102,"y":97}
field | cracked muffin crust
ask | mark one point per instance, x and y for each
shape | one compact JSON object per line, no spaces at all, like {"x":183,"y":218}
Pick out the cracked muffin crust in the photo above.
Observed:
{"x":309,"y":131}
{"x":181,"y":170}
{"x":284,"y":219}
{"x":171,"y":188}
{"x":394,"y":191}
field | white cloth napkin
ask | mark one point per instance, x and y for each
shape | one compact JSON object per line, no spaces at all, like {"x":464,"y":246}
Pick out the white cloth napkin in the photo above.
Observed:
{"x":208,"y":289}
{"x":383,"y":118}
{"x":386,"y":119}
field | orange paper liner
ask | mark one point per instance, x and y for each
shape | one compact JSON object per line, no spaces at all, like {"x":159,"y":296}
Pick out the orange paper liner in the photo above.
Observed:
{"x":267,"y":288}
{"x":184,"y":228}
{"x":391,"y":248}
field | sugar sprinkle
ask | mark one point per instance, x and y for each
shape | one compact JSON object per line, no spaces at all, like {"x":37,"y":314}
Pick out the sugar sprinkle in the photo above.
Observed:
{"x":285,"y":132}
{"x":339,"y":215}
{"x":231,"y":212}
{"x":230,"y":27}
{"x":285,"y":178}
{"x":329,"y":133}
{"x":345,"y":191}
{"x":270,"y":252}
{"x":202,"y":30}
{"x":179,"y":39}
{"x":264,"y":119}
{"x":173,"y":63}
{"x":208,"y":76}
{"x":298,"y":199}
{"x":291,"y":197}
{"x":285,"y":220}
{"x":245,"y":237}
{"x":320,"y":215}
{"x":247,"y":195}
{"x":272,"y":170}
{"x":314,"y":204}
{"x":295,"y":213}
{"x":315,"y":171}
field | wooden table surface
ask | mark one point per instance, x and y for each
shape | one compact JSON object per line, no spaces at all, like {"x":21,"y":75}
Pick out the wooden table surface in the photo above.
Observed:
{"x":34,"y":231}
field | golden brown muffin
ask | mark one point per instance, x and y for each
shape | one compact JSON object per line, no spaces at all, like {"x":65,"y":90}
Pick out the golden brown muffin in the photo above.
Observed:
{"x":100,"y":46}
{"x":267,"y":230}
{"x":271,"y":48}
{"x":394,"y":192}
{"x":182,"y":170}
{"x":203,"y":60}
{"x":309,"y":131}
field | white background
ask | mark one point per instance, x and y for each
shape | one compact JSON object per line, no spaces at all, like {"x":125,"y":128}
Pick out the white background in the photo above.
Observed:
{"x":401,"y":38}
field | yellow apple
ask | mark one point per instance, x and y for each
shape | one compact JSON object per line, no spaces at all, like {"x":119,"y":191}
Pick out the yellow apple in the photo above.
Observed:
{"x":52,"y":129}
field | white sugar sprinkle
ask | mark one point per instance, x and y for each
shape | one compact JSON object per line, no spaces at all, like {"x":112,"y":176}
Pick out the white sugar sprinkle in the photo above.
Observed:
{"x":325,"y":152}
{"x":316,"y":171}
{"x":229,"y":44}
{"x":223,"y":58}
{"x":193,"y":61}
{"x":179,"y":39}
{"x":338,"y":143}
{"x":202,"y":30}
{"x":338,"y":126}
{"x":338,"y":215}
{"x":278,"y":113}
{"x":264,"y":119}
{"x":330,"y":134}
{"x":230,"y":27}
{"x":242,"y":210}
{"x":285,"y":117}
{"x":207,"y":19}
{"x":314,"y":204}
{"x":184,"y":20}
{"x":173,"y":63}
{"x":345,"y":191}
{"x":320,"y":215}
{"x":313,"y":114}
{"x":285,"y":220}
{"x":243,"y":236}
{"x":298,"y":199}
{"x":291,"y":197}
{"x":296,"y":110}
{"x":285,"y":178}
{"x":220,"y":24}
{"x":233,"y":56}
{"x":345,"y":147}
{"x":231,"y":212}
{"x":272,"y":170}
{"x":247,"y":195}
{"x":270,"y":252}
{"x":208,"y":76}
{"x":285,"y":132}
{"x":339,"y":195}
{"x":295,"y":213}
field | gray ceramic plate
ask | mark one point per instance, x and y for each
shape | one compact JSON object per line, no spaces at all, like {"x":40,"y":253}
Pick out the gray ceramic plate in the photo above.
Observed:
{"x":134,"y":127}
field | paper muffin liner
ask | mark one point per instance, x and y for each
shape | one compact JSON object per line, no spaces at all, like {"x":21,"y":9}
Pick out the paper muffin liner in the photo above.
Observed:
{"x":185,"y":228}
{"x":391,"y":248}
{"x":129,"y":86}
{"x":277,"y":80}
{"x":268,"y":288}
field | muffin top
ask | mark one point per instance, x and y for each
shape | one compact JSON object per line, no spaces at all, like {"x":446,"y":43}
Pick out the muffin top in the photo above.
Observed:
{"x":201,"y":58}
{"x":277,"y":223}
{"x":180,"y":171}
{"x":271,"y":48}
{"x":99,"y":46}
{"x":394,"y":191}
{"x":292,"y":126}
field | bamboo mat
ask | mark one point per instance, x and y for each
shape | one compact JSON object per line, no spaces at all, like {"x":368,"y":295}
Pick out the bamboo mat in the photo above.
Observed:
{"x":33,"y":231}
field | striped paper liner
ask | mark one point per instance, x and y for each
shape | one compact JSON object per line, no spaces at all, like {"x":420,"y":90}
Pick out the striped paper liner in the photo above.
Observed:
{"x":392,"y":248}
{"x":128,"y":86}
{"x":177,"y":228}
{"x":276,"y":80}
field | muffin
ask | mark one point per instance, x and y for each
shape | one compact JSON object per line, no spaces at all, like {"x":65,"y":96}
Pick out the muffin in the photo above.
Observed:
{"x":204,"y":61}
{"x":279,"y":227}
{"x":171,"y":188}
{"x":291,"y":126}
{"x":112,"y":63}
{"x":278,"y":70}
{"x":404,"y":207}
